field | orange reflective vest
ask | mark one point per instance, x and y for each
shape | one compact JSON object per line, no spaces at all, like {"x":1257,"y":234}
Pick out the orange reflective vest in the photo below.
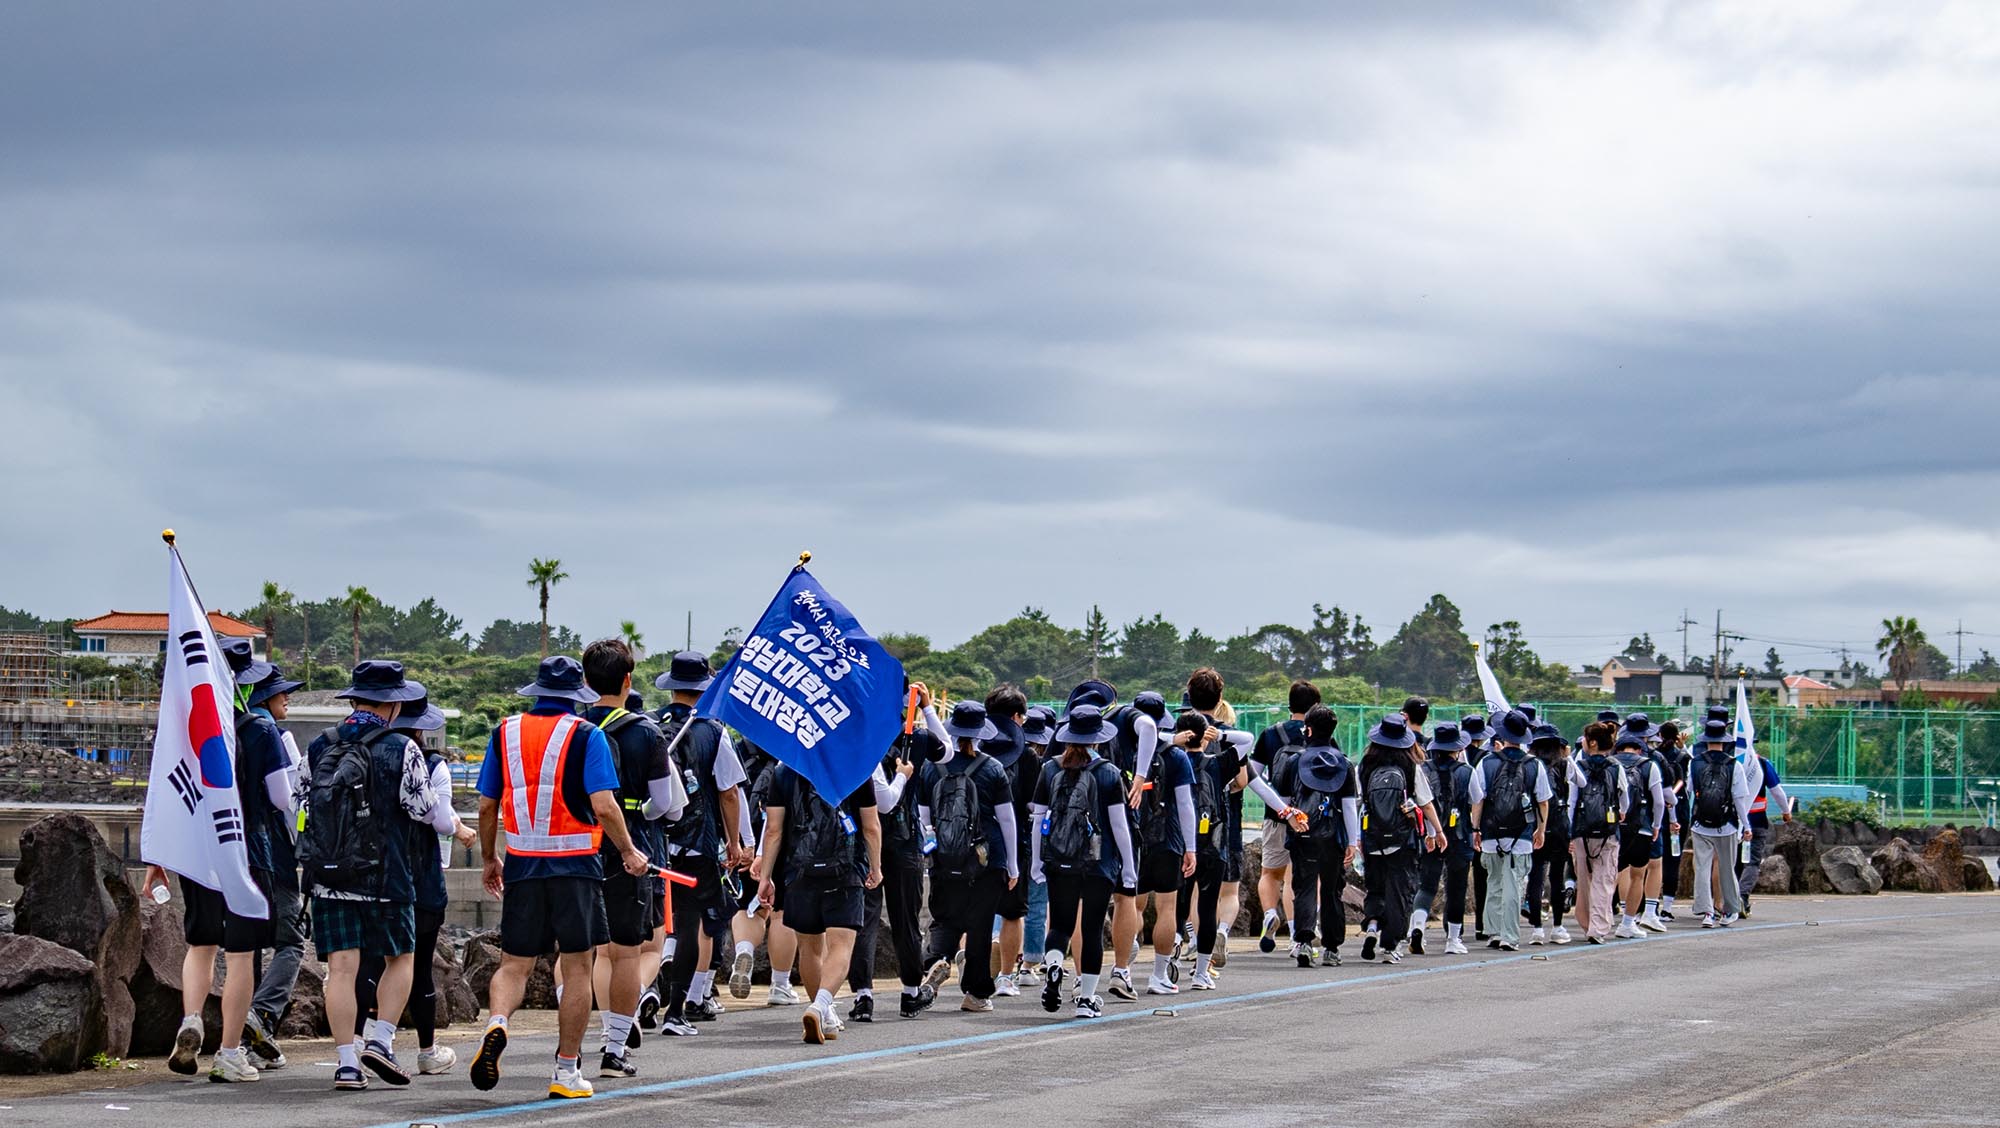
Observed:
{"x":538,"y":822}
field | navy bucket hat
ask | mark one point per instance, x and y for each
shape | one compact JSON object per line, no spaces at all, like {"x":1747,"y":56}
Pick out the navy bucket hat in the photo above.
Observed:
{"x":968,"y":722}
{"x":1512,"y":727}
{"x":418,"y":716}
{"x":1448,"y":737}
{"x":1393,"y":732}
{"x":689,"y":672}
{"x":273,"y":685}
{"x":1092,"y":692}
{"x":1323,"y":769}
{"x":382,"y":682}
{"x":243,"y":664}
{"x":1086,"y":725}
{"x":1040,"y":725}
{"x":561,"y":677}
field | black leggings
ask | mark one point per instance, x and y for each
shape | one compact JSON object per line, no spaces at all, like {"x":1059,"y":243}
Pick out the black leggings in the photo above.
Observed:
{"x":901,"y":894}
{"x":1547,"y":872}
{"x":1452,"y":864}
{"x":1089,"y":896}
{"x":1392,"y":889}
{"x":1196,"y":903}
{"x":1319,"y":873}
{"x":423,"y":987}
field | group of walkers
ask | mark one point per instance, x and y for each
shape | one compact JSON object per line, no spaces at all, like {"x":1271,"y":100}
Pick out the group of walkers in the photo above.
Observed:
{"x":654,"y":854}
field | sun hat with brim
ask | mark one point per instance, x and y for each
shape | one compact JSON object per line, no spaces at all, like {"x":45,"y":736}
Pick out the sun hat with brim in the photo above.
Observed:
{"x":1092,"y":692}
{"x":1627,"y":738}
{"x":1546,"y":734}
{"x":273,"y":685}
{"x":1040,"y":727}
{"x":1718,"y":712}
{"x":1511,"y":726}
{"x":1641,"y":725}
{"x":968,"y":722}
{"x":1393,"y":732}
{"x":1448,"y":737}
{"x":1152,"y":704}
{"x":1717,"y":732}
{"x":381,"y":682}
{"x":1609,"y":716}
{"x":1473,"y":725}
{"x":1323,"y":769}
{"x":418,"y":716}
{"x":1086,"y":726}
{"x":560,"y":677}
{"x":1007,"y":744}
{"x":688,"y":672}
{"x":243,"y":664}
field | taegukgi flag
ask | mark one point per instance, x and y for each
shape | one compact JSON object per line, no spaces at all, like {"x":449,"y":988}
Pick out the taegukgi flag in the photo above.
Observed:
{"x":194,"y":819}
{"x":1496,"y":698}
{"x":812,"y":688}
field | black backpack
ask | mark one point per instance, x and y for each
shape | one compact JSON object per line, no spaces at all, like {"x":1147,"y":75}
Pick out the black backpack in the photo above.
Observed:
{"x":959,"y":819}
{"x":1071,"y":843}
{"x":1504,"y":812}
{"x":1324,"y":821}
{"x":1385,"y":825}
{"x":1155,"y":817}
{"x":341,"y":848}
{"x":1596,"y":800}
{"x":686,"y":832}
{"x":1211,"y":827}
{"x":819,"y":841}
{"x":1715,"y":790}
{"x":1637,"y":782}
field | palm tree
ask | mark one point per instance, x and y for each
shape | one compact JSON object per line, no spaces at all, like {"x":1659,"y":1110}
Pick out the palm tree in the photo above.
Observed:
{"x":629,"y":630}
{"x":545,"y":574}
{"x":276,"y":599}
{"x":358,"y":600}
{"x":1902,"y":642}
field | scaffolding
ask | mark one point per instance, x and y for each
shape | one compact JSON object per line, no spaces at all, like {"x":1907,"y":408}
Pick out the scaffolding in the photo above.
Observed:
{"x":31,"y":667}
{"x":39,"y":709}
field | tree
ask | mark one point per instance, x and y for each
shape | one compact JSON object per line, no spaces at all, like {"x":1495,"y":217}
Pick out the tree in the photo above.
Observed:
{"x":357,"y":601}
{"x":636,"y":642}
{"x":1289,"y":650}
{"x":543,"y":575}
{"x":1344,"y":643}
{"x":1026,"y":645}
{"x":732,"y":641}
{"x":1641,"y":651}
{"x":1429,"y":653}
{"x":1099,"y":638}
{"x":276,"y":599}
{"x":1150,"y":656}
{"x":1985,"y":669}
{"x":905,"y":648}
{"x":1774,"y":663}
{"x":1901,"y":644}
{"x":1521,"y":671}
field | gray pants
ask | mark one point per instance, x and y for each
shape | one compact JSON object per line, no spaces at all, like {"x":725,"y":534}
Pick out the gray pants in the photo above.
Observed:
{"x":1760,"y":848}
{"x":1506,"y":874}
{"x":1715,"y":853}
{"x":281,"y":974}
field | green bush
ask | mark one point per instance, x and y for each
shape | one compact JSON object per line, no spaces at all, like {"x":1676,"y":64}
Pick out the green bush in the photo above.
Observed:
{"x":1836,"y":810}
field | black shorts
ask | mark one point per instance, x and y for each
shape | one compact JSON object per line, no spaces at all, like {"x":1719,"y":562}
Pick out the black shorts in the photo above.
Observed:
{"x":210,"y":924}
{"x":1635,"y":850}
{"x":553,"y":914}
{"x":1014,"y":902}
{"x":631,"y":909}
{"x":706,"y":901}
{"x":1159,"y":872}
{"x":813,"y":906}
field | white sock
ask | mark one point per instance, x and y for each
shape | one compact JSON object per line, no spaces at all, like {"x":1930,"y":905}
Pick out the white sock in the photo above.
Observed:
{"x":1270,"y":918}
{"x":1454,"y":931}
{"x":1201,"y":964}
{"x":912,"y":992}
{"x":617,"y":1028}
{"x":1086,"y":986}
{"x":824,"y":1000}
{"x":1053,"y":958}
{"x":1222,"y":934}
{"x":698,"y":986}
{"x":350,"y":1058}
{"x":383,"y":1031}
{"x":667,"y":951}
{"x":499,"y":1020}
{"x":781,"y":979}
{"x":1652,"y":907}
{"x":1667,"y":902}
{"x":1160,"y":965}
{"x":865,"y":993}
{"x":1418,"y":919}
{"x":746,"y":948}
{"x":559,"y":988}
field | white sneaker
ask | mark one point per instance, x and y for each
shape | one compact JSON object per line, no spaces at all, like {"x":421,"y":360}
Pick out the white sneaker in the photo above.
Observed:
{"x":1651,"y":922}
{"x":1120,"y":986}
{"x":1161,"y":987}
{"x":1732,"y":918}
{"x":187,"y":1046}
{"x":1220,"y":959}
{"x":1454,"y":947}
{"x":783,"y":996}
{"x":1202,"y":981}
{"x":1559,"y":936}
{"x":438,"y":1059}
{"x":1393,"y":955}
{"x":739,"y":975}
{"x":1004,"y":986}
{"x":971,"y":1005}
{"x":1708,"y":920}
{"x":570,"y":1085}
{"x":232,"y":1066}
{"x":1538,"y":936}
{"x":1091,"y":1007}
{"x":1625,"y":931}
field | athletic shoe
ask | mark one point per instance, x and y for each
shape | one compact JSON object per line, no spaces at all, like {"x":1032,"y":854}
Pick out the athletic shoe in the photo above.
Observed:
{"x":1368,"y":946}
{"x":570,"y":1085}
{"x":958,"y":962}
{"x":677,"y":1027}
{"x":1746,"y":904}
{"x":1538,"y":937}
{"x":739,"y":975}
{"x":1626,"y":930}
{"x":976,"y":1006}
{"x":863,"y":1009}
{"x":232,"y":1067}
{"x":1202,"y":981}
{"x":914,"y":1005}
{"x":835,"y":1027}
{"x":1003,"y":986}
{"x":1495,"y":942}
{"x":1726,"y":921}
{"x":708,"y":1010}
{"x":1155,"y":987}
{"x":1220,"y":959}
{"x":485,"y":1068}
{"x":1480,"y":935}
{"x":438,"y":1059}
{"x":1307,"y":955}
{"x":1454,"y":946}
{"x":1667,"y":915}
{"x":1652,"y":923}
{"x":349,"y":1079}
{"x":938,"y":975}
{"x":1330,"y":958}
{"x":258,"y":1040}
{"x":1267,"y":940}
{"x":649,"y":1010}
{"x":1391,"y":955}
{"x":1416,"y":941}
{"x":1121,"y":986}
{"x":1507,"y":946}
{"x":1595,"y":939}
{"x":632,"y":1039}
{"x":782,"y":996}
{"x":815,"y":1026}
{"x":1092,"y":1007}
{"x":1052,"y":978}
{"x":616,"y":1065}
{"x":1708,"y":920}
{"x":187,"y":1046}
{"x":381,"y":1061}
{"x":1559,"y":936}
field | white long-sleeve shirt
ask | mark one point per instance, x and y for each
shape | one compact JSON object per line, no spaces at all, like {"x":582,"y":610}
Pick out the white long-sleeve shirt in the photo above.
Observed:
{"x":1743,"y":787}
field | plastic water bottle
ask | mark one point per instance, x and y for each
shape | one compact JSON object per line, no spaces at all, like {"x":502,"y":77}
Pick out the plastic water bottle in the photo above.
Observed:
{"x":930,"y":841}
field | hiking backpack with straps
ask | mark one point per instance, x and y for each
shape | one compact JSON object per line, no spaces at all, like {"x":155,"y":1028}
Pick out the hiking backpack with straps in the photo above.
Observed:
{"x":1324,"y":821}
{"x":1504,"y":812}
{"x":685,"y":832}
{"x":1639,"y":812}
{"x":1211,"y":824}
{"x":341,"y":847}
{"x":959,"y":818}
{"x":1596,"y":799}
{"x":1385,"y":825}
{"x":1715,"y":790}
{"x":1071,"y":842}
{"x":821,"y":845}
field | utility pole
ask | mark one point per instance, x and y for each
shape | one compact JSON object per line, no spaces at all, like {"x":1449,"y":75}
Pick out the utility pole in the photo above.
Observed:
{"x":1685,"y":624}
{"x":690,"y":634}
{"x":1715,"y":671}
{"x":1960,"y":632}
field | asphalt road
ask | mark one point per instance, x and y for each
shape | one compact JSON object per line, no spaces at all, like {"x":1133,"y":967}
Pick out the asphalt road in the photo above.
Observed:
{"x":1884,"y":1010}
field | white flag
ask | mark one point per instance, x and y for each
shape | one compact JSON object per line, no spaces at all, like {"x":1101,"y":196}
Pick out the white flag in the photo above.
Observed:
{"x":1496,"y":698}
{"x":1746,"y":735}
{"x":194,"y":819}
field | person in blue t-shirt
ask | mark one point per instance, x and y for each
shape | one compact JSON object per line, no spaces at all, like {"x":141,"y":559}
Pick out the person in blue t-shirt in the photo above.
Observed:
{"x":1770,"y":789}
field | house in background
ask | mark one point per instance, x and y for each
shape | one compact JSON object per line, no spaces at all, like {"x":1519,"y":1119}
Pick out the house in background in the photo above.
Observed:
{"x":1616,"y":670}
{"x":137,"y":638}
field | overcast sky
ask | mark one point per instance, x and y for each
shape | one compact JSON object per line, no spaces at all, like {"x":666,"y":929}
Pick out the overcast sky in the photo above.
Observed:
{"x":1578,"y":313}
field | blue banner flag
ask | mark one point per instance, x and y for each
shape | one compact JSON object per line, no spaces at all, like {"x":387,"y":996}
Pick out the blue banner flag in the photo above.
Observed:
{"x":812,"y":688}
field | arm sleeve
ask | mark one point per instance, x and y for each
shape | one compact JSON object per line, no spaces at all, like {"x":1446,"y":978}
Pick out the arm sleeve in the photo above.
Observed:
{"x":278,"y":788}
{"x":415,"y":791}
{"x":936,"y":728}
{"x":1659,"y":802}
{"x":728,"y":765}
{"x":1184,"y":804}
{"x":888,"y":792}
{"x":924,"y":817}
{"x":444,"y":820}
{"x":666,"y":797}
{"x":1148,"y":734}
{"x":1777,"y":795}
{"x":745,"y":831}
{"x":1121,"y":833}
{"x":1010,"y":837}
{"x":1350,"y":814}
{"x":1263,"y":790}
{"x":1035,"y":814}
{"x":1575,"y":787}
{"x":1624,"y":792}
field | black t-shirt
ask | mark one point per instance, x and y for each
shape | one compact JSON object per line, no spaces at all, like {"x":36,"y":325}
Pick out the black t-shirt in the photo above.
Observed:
{"x":787,"y":790}
{"x":641,"y":757}
{"x":1277,"y":736}
{"x":1110,"y":794}
{"x":1285,"y":780}
{"x":995,"y":790}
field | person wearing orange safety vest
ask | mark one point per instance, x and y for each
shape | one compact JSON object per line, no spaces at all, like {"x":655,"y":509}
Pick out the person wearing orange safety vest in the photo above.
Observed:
{"x":550,"y":783}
